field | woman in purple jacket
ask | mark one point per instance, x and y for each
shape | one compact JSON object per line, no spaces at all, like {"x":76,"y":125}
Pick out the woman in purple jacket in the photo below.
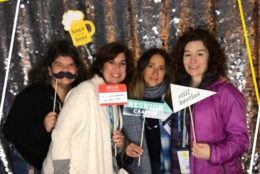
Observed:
{"x":220,"y":120}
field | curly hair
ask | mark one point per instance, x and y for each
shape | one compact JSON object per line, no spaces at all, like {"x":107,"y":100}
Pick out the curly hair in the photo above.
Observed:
{"x":216,"y":61}
{"x":40,"y":74}
{"x":109,"y":52}
{"x":137,"y":83}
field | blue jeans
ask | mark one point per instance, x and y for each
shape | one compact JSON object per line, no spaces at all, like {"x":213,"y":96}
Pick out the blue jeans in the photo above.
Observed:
{"x":19,"y":165}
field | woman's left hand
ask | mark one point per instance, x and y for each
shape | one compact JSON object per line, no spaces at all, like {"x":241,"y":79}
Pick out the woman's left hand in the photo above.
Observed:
{"x":201,"y":151}
{"x":118,"y":138}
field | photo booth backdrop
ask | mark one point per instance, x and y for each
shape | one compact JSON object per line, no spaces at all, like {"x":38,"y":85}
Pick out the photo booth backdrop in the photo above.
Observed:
{"x":140,"y":25}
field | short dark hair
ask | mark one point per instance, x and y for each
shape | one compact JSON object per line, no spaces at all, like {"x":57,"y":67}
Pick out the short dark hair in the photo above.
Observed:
{"x":40,"y":74}
{"x":109,"y":52}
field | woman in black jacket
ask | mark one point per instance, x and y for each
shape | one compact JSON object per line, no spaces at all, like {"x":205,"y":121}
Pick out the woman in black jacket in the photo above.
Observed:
{"x":34,"y":112}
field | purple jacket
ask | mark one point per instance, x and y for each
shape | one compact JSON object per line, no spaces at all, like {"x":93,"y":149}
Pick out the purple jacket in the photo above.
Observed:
{"x":220,"y":121}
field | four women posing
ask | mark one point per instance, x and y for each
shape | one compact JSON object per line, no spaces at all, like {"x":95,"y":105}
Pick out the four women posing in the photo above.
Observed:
{"x":86,"y":134}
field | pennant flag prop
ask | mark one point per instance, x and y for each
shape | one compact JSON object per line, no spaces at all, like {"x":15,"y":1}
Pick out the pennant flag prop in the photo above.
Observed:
{"x":183,"y":96}
{"x":112,"y":94}
{"x":147,"y":109}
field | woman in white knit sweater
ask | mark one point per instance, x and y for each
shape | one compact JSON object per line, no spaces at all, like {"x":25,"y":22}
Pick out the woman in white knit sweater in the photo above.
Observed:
{"x":81,"y":140}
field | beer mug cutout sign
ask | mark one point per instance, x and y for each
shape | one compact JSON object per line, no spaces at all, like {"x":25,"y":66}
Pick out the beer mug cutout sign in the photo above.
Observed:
{"x":79,"y":32}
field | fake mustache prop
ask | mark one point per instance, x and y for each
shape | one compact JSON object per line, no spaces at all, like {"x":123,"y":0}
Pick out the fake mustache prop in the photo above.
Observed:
{"x":67,"y":75}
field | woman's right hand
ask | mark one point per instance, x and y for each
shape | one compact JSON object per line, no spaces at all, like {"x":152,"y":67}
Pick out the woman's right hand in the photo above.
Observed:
{"x":134,"y":150}
{"x":50,"y":121}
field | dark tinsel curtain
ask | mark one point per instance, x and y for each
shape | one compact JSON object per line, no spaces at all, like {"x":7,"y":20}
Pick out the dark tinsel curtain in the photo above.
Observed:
{"x":139,"y":24}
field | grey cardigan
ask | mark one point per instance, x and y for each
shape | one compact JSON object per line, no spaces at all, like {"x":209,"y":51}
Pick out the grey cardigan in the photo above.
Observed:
{"x":132,"y":128}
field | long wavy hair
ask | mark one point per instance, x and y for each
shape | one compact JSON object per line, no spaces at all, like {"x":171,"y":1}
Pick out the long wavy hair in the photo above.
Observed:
{"x":109,"y":52}
{"x":216,"y":61}
{"x":40,"y":74}
{"x":137,"y":84}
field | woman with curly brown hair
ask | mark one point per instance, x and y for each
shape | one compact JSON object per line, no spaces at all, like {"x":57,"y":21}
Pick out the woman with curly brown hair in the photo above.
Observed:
{"x":219,"y":120}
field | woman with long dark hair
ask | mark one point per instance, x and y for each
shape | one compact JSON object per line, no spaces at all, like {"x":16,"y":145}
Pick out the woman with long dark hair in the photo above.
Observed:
{"x":151,"y":82}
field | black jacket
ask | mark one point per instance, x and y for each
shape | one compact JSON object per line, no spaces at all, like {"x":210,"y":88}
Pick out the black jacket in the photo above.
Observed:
{"x":24,"y":125}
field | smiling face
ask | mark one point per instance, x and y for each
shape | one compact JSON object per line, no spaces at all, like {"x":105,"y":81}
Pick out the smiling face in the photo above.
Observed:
{"x":195,"y":60}
{"x":114,"y":71}
{"x":63,"y":64}
{"x":154,"y":72}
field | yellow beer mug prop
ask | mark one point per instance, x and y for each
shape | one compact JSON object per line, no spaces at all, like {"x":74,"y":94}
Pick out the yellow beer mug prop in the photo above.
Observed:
{"x":79,"y":32}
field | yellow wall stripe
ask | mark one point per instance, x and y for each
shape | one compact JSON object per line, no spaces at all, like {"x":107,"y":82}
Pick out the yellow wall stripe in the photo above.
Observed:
{"x":249,"y":51}
{"x":255,"y":84}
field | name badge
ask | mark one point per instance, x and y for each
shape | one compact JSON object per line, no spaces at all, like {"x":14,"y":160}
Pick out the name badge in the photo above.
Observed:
{"x":112,"y":94}
{"x":184,"y":161}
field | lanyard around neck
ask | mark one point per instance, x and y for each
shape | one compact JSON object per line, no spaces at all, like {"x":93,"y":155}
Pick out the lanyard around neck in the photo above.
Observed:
{"x":182,"y":130}
{"x":114,"y":118}
{"x":111,"y":118}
